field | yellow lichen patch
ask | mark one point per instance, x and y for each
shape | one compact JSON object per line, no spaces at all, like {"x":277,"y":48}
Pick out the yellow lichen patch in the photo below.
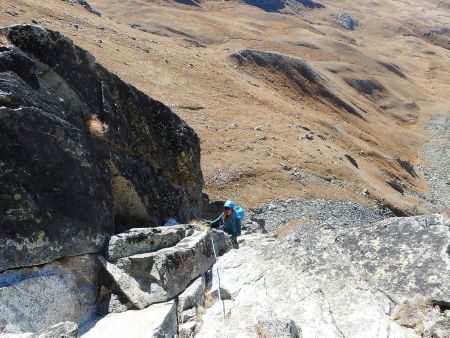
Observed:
{"x":405,"y":261}
{"x":411,"y":285}
{"x":96,"y":127}
{"x":376,"y":243}
{"x":127,"y":201}
{"x":433,"y":279}
{"x":380,"y":273}
{"x":41,"y":234}
{"x":17,"y":197}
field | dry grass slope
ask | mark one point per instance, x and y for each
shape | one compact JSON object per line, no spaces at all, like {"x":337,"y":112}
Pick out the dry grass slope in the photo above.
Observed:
{"x":279,"y":100}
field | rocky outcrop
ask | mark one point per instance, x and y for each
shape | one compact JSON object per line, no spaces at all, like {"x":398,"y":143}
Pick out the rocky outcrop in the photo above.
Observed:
{"x":34,"y":299}
{"x":158,"y":276}
{"x":347,"y":22}
{"x":177,"y":273}
{"x":82,"y":154}
{"x":339,"y":281}
{"x":85,"y":5}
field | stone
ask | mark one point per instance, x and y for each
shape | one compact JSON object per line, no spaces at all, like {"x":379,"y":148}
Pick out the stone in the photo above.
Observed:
{"x":224,"y":293}
{"x":187,"y":330}
{"x":158,"y":276}
{"x":33,"y":299}
{"x":187,"y":315}
{"x":222,"y":241}
{"x":347,"y":21}
{"x":113,"y":303}
{"x":156,"y":321}
{"x":396,"y":186}
{"x":277,"y":328}
{"x":110,"y":299}
{"x":143,"y":240}
{"x":84,"y":155}
{"x":409,"y":168}
{"x":60,"y":330}
{"x":192,"y":297}
{"x":352,"y":160}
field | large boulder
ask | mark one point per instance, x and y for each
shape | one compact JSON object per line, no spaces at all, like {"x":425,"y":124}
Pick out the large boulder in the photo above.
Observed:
{"x":82,"y":154}
{"x":158,"y":276}
{"x":156,"y":321}
{"x":34,"y":299}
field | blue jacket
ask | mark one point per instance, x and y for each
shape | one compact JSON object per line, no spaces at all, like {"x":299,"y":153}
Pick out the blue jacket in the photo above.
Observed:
{"x":232,"y":224}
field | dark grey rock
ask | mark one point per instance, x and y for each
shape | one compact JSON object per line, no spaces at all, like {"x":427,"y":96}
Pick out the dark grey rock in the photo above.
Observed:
{"x":407,"y":166}
{"x":347,"y":21}
{"x":352,"y":161}
{"x":396,"y":186}
{"x":214,"y":292}
{"x":82,"y":153}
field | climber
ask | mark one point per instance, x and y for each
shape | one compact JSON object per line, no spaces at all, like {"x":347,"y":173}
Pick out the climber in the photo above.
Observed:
{"x":229,"y":221}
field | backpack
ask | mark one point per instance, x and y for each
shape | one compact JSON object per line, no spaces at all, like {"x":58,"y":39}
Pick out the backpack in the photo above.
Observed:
{"x":240,"y":212}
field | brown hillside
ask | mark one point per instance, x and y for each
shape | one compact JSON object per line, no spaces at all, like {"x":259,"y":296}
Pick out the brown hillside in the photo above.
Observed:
{"x":279,"y":100}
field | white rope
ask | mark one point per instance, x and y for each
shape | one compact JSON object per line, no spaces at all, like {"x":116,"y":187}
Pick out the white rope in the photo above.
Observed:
{"x":220,"y":292}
